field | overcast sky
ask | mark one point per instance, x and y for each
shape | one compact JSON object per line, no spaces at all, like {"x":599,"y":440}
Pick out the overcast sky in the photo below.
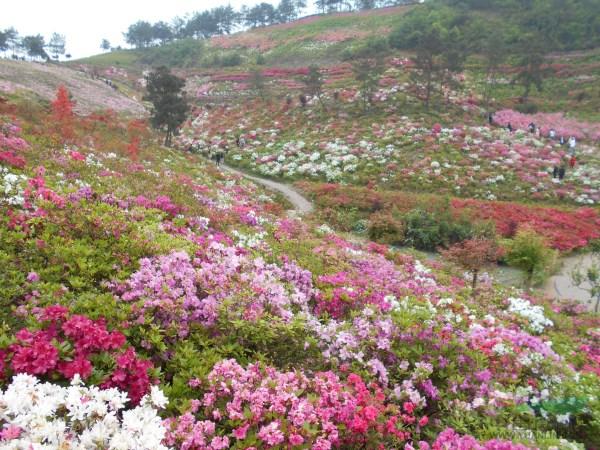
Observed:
{"x":85,"y":23}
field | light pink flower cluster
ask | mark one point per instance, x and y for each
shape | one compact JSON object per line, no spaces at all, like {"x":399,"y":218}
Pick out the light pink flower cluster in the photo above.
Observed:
{"x":178,"y":290}
{"x":290,"y":409}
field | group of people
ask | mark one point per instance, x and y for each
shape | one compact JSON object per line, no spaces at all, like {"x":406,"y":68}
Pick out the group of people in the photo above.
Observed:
{"x":569,"y":160}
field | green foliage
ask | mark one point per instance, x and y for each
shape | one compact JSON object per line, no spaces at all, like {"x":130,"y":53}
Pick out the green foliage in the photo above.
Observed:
{"x":528,"y":251}
{"x":181,"y":53}
{"x":170,"y":107}
{"x":437,"y":37}
{"x":429,"y":230}
{"x":527,"y":108}
{"x":560,"y":24}
{"x":258,"y":82}
{"x":385,"y":228}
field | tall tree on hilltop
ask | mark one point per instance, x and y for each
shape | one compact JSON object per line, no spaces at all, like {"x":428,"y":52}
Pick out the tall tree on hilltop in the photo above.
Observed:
{"x":286,"y":11}
{"x":34,"y":46}
{"x":165,"y":92}
{"x":202,"y":25}
{"x":140,"y":34}
{"x":12,"y":39}
{"x":57,"y":44}
{"x":161,"y":32}
{"x":105,"y":44}
{"x":226,"y":19}
{"x":3,"y":41}
{"x":260,"y":15}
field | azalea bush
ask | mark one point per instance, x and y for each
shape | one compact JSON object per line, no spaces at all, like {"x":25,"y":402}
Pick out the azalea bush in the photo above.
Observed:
{"x":262,"y":407}
{"x":35,"y":414}
{"x":67,"y":345}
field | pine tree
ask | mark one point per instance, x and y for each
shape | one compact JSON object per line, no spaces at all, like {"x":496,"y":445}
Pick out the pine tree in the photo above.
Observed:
{"x":169,"y":104}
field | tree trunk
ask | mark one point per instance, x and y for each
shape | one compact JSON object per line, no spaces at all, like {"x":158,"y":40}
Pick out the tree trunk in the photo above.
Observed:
{"x":168,"y":137}
{"x":474,"y":281}
{"x":529,"y":280}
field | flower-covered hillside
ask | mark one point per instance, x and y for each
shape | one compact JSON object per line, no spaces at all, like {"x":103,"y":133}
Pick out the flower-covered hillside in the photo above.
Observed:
{"x":151,"y":301}
{"x":393,"y":150}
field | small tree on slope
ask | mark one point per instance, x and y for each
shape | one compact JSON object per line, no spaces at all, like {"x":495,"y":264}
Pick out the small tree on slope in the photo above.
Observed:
{"x":473,"y":255}
{"x":169,"y":104}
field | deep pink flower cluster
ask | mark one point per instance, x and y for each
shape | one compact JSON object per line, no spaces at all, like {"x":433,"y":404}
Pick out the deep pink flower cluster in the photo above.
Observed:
{"x":36,"y":188}
{"x":11,"y":144}
{"x":42,"y":352}
{"x":161,"y":202}
{"x":290,"y":409}
{"x":130,"y":375}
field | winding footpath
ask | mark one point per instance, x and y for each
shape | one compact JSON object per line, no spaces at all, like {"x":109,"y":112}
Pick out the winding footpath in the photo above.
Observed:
{"x":558,"y":286}
{"x":300,"y":203}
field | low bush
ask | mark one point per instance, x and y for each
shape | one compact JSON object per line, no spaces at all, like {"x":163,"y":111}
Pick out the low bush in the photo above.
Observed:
{"x":386,"y":229}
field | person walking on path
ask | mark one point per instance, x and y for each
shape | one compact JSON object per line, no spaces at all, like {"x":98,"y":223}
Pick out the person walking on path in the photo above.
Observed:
{"x":490,"y":118}
{"x":563,"y":168}
{"x":572,"y":162}
{"x":509,"y":127}
{"x":555,"y":172}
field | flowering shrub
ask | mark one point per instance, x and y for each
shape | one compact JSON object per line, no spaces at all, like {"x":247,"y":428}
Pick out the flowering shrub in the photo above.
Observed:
{"x":178,"y":290}
{"x":44,"y":415}
{"x":450,"y":439}
{"x":11,"y":144}
{"x":266,"y":408}
{"x":67,"y":345}
{"x":533,"y":314}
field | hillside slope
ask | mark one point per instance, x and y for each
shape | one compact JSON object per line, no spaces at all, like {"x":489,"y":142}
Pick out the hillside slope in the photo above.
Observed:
{"x":42,"y":80}
{"x":130,"y":265}
{"x":318,"y":39}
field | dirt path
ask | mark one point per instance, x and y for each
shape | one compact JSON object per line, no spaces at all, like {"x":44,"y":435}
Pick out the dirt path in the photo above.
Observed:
{"x":560,"y":285}
{"x":301,"y":204}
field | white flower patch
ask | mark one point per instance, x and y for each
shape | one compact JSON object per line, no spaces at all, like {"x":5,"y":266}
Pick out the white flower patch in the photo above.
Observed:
{"x":48,"y":416}
{"x":324,"y":229}
{"x":250,"y":240}
{"x":533,"y":313}
{"x":11,"y":187}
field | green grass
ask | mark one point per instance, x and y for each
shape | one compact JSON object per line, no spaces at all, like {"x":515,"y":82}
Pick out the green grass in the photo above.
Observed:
{"x":123,"y":58}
